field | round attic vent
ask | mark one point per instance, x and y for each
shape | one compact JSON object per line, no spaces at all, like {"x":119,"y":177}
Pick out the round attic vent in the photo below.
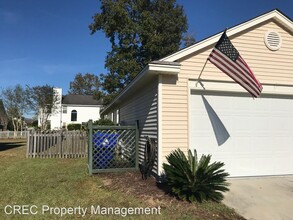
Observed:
{"x":273,"y":40}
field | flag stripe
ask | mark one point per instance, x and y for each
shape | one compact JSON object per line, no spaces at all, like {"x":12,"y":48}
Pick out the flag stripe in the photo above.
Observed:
{"x":253,"y":80}
{"x":233,"y":70}
{"x":251,"y":73}
{"x":234,"y":77}
{"x":226,"y":57}
{"x":247,"y":71}
{"x":222,"y":66}
{"x":238,"y":69}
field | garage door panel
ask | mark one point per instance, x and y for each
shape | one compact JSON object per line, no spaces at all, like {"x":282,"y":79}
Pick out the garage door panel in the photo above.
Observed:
{"x":261,"y":133}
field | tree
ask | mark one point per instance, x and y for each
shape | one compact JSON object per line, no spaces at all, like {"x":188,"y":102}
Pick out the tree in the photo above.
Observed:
{"x":139,"y":31}
{"x":45,"y":101}
{"x":88,"y":84}
{"x":188,"y":40}
{"x":3,"y":117}
{"x":16,"y":101}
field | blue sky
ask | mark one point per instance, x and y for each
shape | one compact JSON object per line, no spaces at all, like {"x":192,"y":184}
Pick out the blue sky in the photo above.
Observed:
{"x":48,"y":41}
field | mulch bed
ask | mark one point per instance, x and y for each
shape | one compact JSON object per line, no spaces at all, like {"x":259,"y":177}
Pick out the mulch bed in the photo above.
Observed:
{"x":132,"y":183}
{"x":158,"y":194}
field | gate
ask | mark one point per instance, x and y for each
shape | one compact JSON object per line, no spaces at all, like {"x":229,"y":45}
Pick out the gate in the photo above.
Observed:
{"x":112,"y":148}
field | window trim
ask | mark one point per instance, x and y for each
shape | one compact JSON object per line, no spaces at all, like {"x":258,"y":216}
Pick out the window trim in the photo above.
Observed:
{"x":73,"y":115}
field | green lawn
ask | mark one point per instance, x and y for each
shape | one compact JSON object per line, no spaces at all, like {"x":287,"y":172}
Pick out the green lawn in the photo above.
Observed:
{"x":64,"y":184}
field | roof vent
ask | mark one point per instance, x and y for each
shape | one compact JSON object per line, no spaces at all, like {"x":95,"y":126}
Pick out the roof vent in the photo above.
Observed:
{"x":273,"y":40}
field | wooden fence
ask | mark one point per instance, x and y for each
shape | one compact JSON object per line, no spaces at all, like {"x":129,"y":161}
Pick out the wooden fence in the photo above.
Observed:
{"x":58,"y":144}
{"x":13,"y":134}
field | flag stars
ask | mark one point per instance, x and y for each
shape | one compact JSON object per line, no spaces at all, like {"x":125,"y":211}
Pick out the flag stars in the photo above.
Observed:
{"x":228,"y":60}
{"x":227,"y":48}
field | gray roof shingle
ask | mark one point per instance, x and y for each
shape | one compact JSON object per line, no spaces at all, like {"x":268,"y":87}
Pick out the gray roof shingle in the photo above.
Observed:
{"x":80,"y":100}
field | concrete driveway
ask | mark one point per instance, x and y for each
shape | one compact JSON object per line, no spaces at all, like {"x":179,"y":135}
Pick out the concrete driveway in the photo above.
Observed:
{"x":261,"y":198}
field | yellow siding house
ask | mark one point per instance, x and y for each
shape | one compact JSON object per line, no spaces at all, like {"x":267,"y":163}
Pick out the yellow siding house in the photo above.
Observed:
{"x":213,"y":114}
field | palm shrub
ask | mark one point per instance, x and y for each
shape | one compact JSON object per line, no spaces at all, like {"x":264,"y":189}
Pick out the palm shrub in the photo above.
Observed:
{"x":192,"y":180}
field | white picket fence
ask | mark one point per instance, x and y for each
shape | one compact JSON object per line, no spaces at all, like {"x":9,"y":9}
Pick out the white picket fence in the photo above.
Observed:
{"x":57,"y":144}
{"x":13,"y":134}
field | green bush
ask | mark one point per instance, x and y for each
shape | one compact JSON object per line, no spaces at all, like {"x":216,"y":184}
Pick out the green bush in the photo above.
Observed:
{"x":35,"y":124}
{"x":72,"y":127}
{"x":104,"y":122}
{"x":192,"y":180}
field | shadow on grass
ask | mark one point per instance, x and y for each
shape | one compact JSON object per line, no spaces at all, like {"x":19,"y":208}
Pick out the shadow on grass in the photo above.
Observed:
{"x":163,"y":186}
{"x":9,"y":145}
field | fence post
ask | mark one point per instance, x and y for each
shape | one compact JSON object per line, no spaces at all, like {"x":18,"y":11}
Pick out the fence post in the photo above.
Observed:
{"x":90,"y":147}
{"x":27,"y":144}
{"x":59,"y":143}
{"x":35,"y":145}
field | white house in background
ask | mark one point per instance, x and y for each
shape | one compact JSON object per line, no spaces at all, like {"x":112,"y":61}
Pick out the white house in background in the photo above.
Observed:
{"x":74,"y":109}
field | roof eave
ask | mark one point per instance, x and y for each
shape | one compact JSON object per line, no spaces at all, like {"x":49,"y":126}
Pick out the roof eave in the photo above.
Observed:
{"x":155,"y":67}
{"x":274,"y":14}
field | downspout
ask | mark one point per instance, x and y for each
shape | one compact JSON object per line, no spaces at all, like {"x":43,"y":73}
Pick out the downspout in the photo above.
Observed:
{"x":160,"y":124}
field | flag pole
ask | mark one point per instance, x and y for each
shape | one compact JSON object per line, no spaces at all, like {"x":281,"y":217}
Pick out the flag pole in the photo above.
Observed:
{"x":198,"y":79}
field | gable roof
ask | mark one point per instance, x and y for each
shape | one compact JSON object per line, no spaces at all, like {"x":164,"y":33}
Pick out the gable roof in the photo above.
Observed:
{"x":274,"y":15}
{"x":80,"y":100}
{"x":171,"y":64}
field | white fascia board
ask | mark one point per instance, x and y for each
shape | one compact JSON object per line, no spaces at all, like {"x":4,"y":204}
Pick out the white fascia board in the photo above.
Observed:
{"x":230,"y":32}
{"x":223,"y":86}
{"x":271,"y":15}
{"x":164,"y":68}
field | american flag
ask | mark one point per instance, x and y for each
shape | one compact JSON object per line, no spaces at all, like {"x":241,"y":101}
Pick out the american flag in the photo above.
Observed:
{"x":228,"y":60}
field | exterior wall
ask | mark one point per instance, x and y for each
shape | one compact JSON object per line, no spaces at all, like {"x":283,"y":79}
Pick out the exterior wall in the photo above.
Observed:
{"x":174,"y":114}
{"x":143,"y":106}
{"x":270,"y":67}
{"x":84,"y":114}
{"x":55,"y":117}
{"x":55,"y":120}
{"x":273,"y":67}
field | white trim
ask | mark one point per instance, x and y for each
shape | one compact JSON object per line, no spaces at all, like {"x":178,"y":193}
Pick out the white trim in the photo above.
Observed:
{"x":222,"y":86}
{"x":164,"y":69}
{"x":189,"y":85}
{"x":275,"y":14}
{"x":160,"y":124}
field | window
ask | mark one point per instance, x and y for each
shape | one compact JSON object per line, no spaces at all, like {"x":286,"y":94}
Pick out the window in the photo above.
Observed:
{"x":73,"y":115}
{"x":64,"y":109}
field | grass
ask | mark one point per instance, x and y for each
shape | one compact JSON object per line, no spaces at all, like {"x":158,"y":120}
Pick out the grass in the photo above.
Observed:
{"x":65,"y":183}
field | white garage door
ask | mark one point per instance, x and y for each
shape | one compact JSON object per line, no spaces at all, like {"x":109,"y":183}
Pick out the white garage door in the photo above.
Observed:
{"x":251,"y":136}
